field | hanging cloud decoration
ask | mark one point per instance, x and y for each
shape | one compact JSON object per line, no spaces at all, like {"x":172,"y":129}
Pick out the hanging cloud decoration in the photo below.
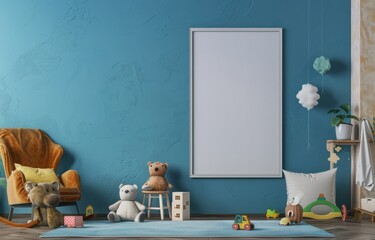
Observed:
{"x":308,"y":96}
{"x":322,"y":65}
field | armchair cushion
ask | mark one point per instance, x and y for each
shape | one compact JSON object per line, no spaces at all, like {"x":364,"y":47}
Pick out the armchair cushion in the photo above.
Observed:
{"x":16,"y":188}
{"x":38,"y":175}
{"x":70,"y":179}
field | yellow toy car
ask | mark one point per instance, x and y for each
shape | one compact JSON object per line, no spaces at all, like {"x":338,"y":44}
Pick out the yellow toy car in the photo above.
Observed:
{"x":242,"y":222}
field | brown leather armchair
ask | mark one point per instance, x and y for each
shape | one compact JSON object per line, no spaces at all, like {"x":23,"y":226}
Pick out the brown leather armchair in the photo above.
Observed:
{"x":33,"y":148}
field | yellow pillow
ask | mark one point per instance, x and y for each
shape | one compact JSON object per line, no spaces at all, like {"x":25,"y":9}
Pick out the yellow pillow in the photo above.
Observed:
{"x":38,"y":175}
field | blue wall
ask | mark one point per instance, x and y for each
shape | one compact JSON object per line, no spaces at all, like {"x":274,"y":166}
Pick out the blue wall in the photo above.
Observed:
{"x":109,"y":81}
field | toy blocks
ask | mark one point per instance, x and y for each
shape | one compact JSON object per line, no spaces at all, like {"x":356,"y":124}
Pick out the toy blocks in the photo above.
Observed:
{"x":180,"y":206}
{"x":73,"y":221}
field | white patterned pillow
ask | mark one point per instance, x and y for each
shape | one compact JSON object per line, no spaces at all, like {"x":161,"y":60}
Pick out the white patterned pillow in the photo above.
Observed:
{"x":310,"y":185}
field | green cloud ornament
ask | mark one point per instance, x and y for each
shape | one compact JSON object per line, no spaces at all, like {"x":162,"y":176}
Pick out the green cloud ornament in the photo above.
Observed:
{"x":322,"y":65}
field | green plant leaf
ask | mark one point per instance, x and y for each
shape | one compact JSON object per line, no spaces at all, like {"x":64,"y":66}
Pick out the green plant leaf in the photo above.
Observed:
{"x":345,"y":107}
{"x":340,"y":116}
{"x":352,"y":117}
{"x":334,"y":111}
{"x":336,"y":121}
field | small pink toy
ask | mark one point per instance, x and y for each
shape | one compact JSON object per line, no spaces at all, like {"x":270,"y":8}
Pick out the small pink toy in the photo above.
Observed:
{"x":73,"y":221}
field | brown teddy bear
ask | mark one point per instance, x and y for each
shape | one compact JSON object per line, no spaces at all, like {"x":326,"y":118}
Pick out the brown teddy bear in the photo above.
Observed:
{"x":45,"y":197}
{"x":157,"y":181}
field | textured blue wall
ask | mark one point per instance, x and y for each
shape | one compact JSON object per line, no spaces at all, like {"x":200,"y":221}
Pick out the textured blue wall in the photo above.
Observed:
{"x":109,"y":81}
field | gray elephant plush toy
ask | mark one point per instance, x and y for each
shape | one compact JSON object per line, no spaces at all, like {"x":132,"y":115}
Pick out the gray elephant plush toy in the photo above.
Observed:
{"x":127,"y":208}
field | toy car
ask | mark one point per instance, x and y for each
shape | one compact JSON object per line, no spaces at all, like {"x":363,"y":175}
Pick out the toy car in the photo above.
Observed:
{"x":242,"y":222}
{"x":272,"y":213}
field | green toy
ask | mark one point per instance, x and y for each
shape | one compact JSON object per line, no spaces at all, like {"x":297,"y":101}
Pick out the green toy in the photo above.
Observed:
{"x":307,"y":212}
{"x":272,"y":213}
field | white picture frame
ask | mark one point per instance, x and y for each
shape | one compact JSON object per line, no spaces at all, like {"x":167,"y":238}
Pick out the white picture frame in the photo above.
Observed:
{"x":235,"y":102}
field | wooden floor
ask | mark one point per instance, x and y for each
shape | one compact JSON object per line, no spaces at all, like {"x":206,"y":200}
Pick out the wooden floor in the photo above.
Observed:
{"x":364,"y":230}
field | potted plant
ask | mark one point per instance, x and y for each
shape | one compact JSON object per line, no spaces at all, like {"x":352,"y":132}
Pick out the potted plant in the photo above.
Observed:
{"x":343,"y":129}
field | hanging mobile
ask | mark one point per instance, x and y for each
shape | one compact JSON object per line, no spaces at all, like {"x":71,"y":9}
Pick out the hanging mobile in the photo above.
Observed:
{"x":308,"y":96}
{"x":321,"y":64}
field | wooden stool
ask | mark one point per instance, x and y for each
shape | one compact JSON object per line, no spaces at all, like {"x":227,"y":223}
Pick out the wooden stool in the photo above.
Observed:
{"x":157,"y":194}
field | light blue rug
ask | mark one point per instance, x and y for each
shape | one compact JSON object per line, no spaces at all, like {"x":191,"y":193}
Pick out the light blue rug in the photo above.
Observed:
{"x":192,"y":228}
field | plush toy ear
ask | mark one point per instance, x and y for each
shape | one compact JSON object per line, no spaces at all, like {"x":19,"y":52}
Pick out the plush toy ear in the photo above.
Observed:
{"x":149,"y":163}
{"x":56,"y":185}
{"x":30,"y":185}
{"x":135,"y":186}
{"x":166,"y":165}
{"x":120,"y":185}
{"x":297,"y":199}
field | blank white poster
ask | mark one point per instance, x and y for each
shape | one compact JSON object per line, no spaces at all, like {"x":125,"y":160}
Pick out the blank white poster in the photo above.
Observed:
{"x":236,"y":102}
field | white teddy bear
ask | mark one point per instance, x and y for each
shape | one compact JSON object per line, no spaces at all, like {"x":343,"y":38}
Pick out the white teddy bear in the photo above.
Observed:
{"x":127,"y":208}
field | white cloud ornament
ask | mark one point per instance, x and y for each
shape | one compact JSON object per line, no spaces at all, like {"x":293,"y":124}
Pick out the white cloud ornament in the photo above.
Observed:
{"x":308,"y":96}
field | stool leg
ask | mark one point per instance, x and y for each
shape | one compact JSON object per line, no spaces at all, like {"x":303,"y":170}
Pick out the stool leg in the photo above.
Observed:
{"x":149,"y":205}
{"x":143,"y":199}
{"x":161,"y":206}
{"x":10,"y":216}
{"x":168,"y":205}
{"x":77,"y":208}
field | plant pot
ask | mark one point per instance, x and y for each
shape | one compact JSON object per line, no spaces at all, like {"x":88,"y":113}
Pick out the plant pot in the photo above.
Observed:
{"x":344,"y":131}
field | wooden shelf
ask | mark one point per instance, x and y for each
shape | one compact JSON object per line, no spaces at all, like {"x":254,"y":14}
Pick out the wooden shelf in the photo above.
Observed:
{"x":332,"y":144}
{"x":343,"y":142}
